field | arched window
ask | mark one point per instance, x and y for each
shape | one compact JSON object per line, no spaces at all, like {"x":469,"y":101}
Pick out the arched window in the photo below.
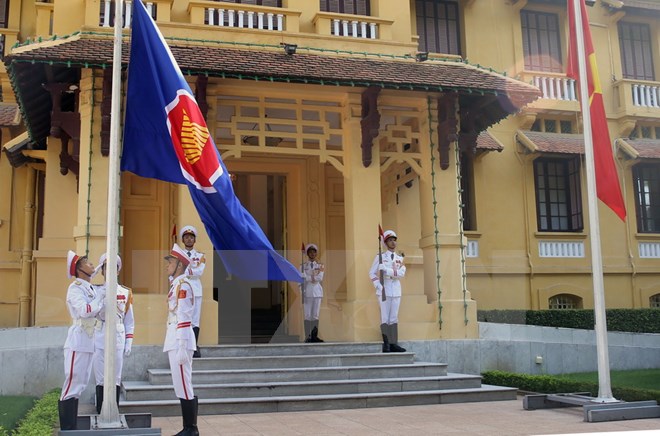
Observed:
{"x":565,"y":301}
{"x":654,"y":301}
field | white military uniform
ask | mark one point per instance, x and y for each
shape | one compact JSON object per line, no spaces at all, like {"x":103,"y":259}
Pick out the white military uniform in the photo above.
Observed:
{"x":125,"y":329}
{"x":393,"y":271}
{"x":180,"y":301}
{"x":313,"y":274}
{"x":194,"y":275}
{"x":84,"y":304}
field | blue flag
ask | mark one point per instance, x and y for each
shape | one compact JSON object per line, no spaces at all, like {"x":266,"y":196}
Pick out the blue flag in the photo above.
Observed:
{"x":166,"y":138}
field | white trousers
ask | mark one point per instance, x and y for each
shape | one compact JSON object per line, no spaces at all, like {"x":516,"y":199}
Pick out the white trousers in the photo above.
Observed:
{"x":99,"y":365}
{"x":312,"y":307}
{"x":181,"y":376}
{"x":197,"y":311}
{"x":77,"y":370}
{"x":389,"y":310}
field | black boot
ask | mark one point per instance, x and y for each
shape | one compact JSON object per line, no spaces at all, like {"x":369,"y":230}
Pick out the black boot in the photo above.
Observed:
{"x":99,"y":398}
{"x":315,"y":332}
{"x":394,"y":339}
{"x":68,"y":411}
{"x":189,"y":415}
{"x":386,"y":343}
{"x":118,"y":394}
{"x":196,"y":353}
{"x":308,"y":331}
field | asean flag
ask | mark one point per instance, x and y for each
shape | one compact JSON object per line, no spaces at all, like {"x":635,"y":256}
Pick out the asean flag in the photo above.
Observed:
{"x":166,"y":138}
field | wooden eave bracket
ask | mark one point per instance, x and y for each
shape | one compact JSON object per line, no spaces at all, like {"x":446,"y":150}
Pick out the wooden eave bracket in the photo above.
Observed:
{"x":370,"y":122}
{"x":65,"y":126}
{"x":200,"y":94}
{"x":447,"y":126}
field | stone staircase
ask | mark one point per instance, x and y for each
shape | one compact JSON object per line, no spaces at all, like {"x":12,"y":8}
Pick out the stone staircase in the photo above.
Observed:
{"x":297,"y":377}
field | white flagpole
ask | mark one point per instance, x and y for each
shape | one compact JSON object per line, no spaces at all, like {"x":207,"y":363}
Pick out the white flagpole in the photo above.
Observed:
{"x":110,"y":411}
{"x":604,"y":387}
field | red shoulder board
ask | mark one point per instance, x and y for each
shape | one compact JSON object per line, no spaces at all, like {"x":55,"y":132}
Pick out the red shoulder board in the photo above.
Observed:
{"x":182,"y":293}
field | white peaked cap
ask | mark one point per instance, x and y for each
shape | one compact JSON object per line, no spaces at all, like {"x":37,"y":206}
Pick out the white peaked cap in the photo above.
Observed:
{"x":71,"y":260}
{"x":308,"y":246}
{"x":178,"y":253}
{"x":103,"y":258}
{"x":388,"y":234}
{"x":187,"y":229}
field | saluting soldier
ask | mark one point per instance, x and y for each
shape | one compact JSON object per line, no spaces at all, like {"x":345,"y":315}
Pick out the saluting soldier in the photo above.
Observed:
{"x":194,"y":271}
{"x":393,"y":271}
{"x":180,"y":339}
{"x":84,"y":303}
{"x":313,"y":272}
{"x":124,"y":341}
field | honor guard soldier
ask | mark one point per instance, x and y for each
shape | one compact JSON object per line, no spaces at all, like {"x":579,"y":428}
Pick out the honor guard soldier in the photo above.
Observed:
{"x":195,"y":270}
{"x":124,"y":341}
{"x":84,"y":303}
{"x":180,"y":339}
{"x":313,"y":293}
{"x":393,"y":270}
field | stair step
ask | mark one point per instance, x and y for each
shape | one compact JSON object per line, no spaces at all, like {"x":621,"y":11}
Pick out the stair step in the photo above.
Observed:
{"x":143,"y":391}
{"x":217,"y":406}
{"x":301,"y":361}
{"x":288,"y":349}
{"x":417,"y":369}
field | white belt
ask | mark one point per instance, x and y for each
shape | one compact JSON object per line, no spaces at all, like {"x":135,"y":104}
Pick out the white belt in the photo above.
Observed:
{"x":171,"y":318}
{"x":87,"y":324}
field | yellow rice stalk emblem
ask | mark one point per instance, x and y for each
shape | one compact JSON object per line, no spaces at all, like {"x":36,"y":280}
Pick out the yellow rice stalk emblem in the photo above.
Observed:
{"x":193,"y":139}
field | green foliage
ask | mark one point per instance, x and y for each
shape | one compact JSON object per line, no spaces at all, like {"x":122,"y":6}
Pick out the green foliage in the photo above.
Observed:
{"x":12,"y":409}
{"x":547,"y":384}
{"x":618,"y":320}
{"x":42,"y":418}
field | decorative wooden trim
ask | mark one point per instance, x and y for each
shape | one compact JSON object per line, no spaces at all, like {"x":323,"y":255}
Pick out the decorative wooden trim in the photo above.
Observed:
{"x":447,"y":126}
{"x":65,"y":126}
{"x":370,"y":122}
{"x":106,"y":109}
{"x":200,"y":94}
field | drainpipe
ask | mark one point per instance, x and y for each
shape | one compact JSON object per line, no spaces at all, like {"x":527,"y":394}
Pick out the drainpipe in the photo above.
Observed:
{"x":25,"y":297}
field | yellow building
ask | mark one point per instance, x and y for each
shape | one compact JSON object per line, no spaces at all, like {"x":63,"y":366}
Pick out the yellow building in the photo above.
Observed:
{"x":334,"y":117}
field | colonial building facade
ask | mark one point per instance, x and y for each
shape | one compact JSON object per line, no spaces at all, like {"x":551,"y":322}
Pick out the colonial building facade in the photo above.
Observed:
{"x":451,"y":122}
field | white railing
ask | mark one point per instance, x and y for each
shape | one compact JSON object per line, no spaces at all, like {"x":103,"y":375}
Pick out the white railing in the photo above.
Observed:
{"x":244,"y":19}
{"x":649,"y":250}
{"x":472,"y":249}
{"x":646,"y":95}
{"x":108,"y":10}
{"x":561,"y":249}
{"x":556,"y":88}
{"x":356,"y":29}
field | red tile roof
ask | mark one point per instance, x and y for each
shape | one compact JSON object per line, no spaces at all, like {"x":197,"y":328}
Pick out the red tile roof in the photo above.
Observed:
{"x":488,"y":142}
{"x":9,"y":115}
{"x":647,"y":148}
{"x":544,"y":142}
{"x":643,"y":4}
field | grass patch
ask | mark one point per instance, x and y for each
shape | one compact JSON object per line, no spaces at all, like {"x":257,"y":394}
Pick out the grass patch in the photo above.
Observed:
{"x":638,"y":379}
{"x":12,"y":409}
{"x":40,"y":420}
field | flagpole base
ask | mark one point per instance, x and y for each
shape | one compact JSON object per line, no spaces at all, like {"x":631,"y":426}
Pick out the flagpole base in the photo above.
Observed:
{"x":595,"y":410}
{"x":131,"y":424}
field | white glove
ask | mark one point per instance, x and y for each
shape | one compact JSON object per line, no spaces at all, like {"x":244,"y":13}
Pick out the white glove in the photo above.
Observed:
{"x":127,"y":347}
{"x":379,"y":287}
{"x":382,"y":267}
{"x":182,"y":355}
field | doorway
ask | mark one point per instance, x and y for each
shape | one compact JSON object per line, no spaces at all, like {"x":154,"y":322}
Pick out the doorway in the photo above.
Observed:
{"x":253,"y":311}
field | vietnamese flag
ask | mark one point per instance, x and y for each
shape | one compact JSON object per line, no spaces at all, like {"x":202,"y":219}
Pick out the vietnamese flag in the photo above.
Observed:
{"x":608,"y":188}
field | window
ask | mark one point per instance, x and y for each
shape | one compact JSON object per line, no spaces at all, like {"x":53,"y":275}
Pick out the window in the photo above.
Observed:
{"x":541,"y":42}
{"x":558,"y":198}
{"x":646,"y":180}
{"x":565,"y":302}
{"x":654,"y":301}
{"x":636,"y":52}
{"x":645,"y":131}
{"x":467,"y":194}
{"x":438,"y":26}
{"x":552,"y":125}
{"x":353,"y":7}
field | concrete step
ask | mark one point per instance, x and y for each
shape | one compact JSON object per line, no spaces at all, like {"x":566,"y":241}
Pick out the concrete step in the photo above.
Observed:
{"x":302,"y":361}
{"x":217,"y":406}
{"x":417,"y":369}
{"x":283,"y":349}
{"x":143,"y":391}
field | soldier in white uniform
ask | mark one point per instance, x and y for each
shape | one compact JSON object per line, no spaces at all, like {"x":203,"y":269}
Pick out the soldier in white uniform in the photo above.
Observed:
{"x":194,"y":272}
{"x":84,"y":304}
{"x":180,"y":338}
{"x":124,"y":341}
{"x":393,"y":270}
{"x":313,"y":293}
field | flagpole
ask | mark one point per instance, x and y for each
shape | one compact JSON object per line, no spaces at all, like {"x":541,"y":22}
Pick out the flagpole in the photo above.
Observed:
{"x":604,"y":386}
{"x":109,"y":417}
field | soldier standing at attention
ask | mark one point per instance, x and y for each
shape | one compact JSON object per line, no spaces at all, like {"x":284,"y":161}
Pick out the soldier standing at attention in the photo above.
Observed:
{"x":180,"y":339}
{"x":84,"y":303}
{"x":124,"y":341}
{"x":393,"y":270}
{"x":194,"y":272}
{"x":313,"y":276}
